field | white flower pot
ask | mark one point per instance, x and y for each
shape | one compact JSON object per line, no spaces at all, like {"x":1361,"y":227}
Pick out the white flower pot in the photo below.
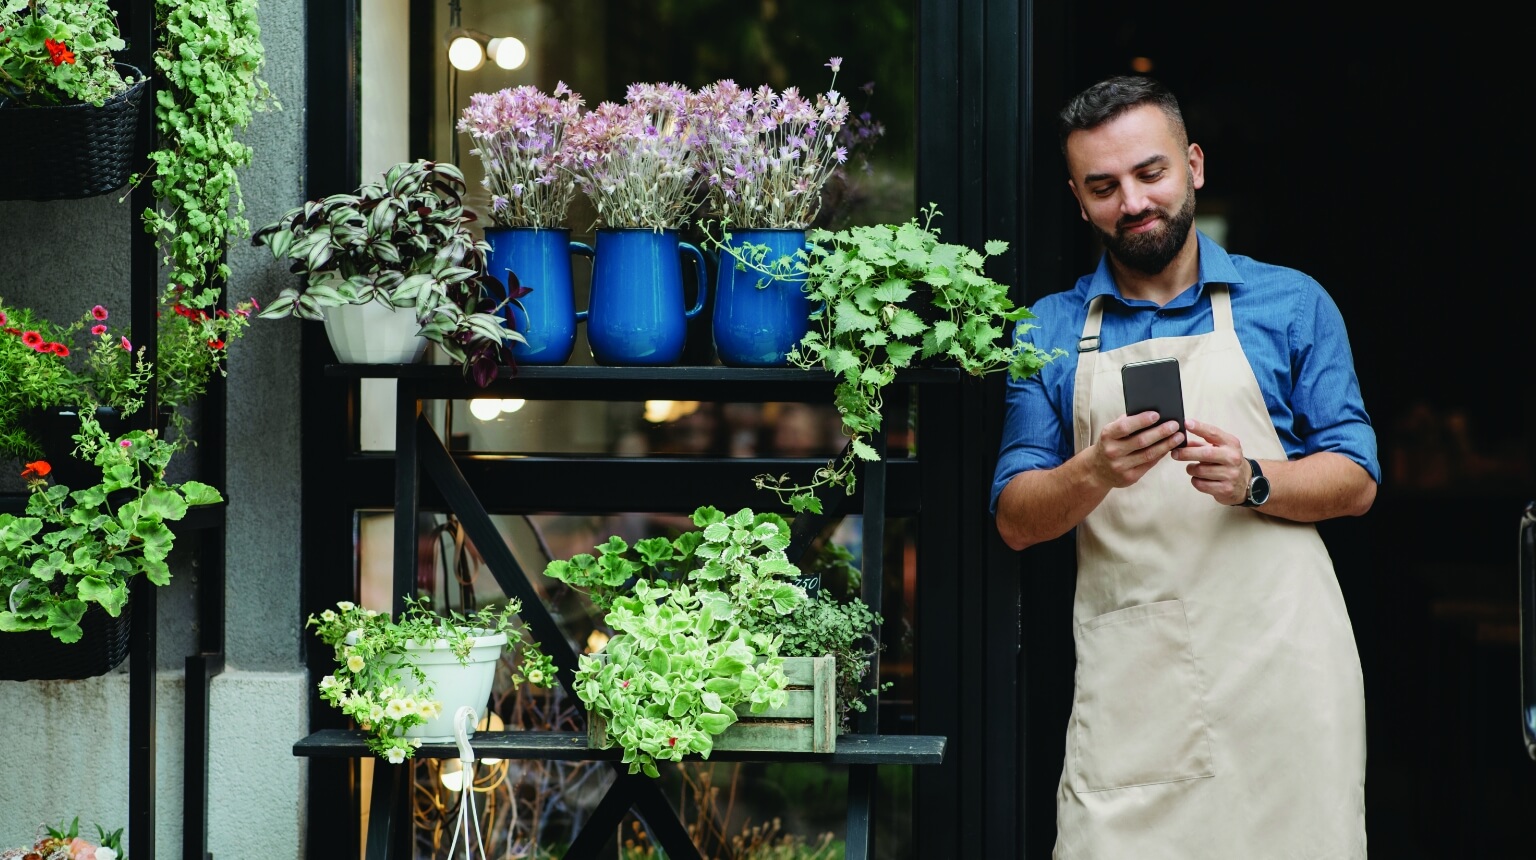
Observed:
{"x":454,"y":684}
{"x":374,"y":333}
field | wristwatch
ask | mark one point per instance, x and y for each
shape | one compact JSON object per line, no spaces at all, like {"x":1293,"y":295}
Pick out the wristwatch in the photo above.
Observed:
{"x":1258,"y":486}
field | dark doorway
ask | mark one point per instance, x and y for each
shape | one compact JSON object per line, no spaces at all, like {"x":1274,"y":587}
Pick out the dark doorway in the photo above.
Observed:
{"x":1380,"y":153}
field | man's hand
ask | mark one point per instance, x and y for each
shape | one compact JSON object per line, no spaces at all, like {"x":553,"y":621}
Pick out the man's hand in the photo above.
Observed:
{"x":1217,"y":466}
{"x":1131,"y":445}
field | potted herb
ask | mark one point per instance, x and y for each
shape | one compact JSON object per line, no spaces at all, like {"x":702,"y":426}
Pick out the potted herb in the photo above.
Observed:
{"x":403,"y":679}
{"x":400,"y":246}
{"x":893,"y":296}
{"x":78,"y":549}
{"x":765,"y":157}
{"x":60,"y":85}
{"x":637,"y":163}
{"x":54,"y":372}
{"x":520,"y":135}
{"x":698,"y":642}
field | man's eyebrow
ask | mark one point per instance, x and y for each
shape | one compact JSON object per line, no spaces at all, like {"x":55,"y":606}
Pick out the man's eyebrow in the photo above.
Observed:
{"x":1099,"y":177}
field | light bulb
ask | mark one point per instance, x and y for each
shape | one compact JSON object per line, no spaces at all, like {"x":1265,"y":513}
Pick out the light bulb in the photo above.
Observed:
{"x":485,"y":408}
{"x":657,"y":411}
{"x":465,"y":54}
{"x":512,"y":404}
{"x":508,"y":52}
{"x":452,"y":775}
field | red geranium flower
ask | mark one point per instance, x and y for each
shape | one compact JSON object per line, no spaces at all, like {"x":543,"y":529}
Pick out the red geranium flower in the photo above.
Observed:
{"x":215,"y":344}
{"x":36,"y":469}
{"x":32,"y":339}
{"x":58,"y":52}
{"x":99,"y":312}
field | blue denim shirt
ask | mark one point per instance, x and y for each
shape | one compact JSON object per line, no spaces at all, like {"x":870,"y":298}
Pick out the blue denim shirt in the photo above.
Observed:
{"x":1289,"y":328}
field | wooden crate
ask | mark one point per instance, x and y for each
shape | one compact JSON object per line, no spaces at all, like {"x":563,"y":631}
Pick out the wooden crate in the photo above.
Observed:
{"x":808,"y":722}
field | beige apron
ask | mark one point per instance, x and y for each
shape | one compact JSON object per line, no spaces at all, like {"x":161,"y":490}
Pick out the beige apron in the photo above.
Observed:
{"x":1219,"y":712}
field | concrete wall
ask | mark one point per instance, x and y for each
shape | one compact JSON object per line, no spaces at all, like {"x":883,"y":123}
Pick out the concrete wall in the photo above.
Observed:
{"x":65,"y":748}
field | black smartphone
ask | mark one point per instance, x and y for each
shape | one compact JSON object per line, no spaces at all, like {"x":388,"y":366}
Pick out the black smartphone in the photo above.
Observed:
{"x":1154,"y":386}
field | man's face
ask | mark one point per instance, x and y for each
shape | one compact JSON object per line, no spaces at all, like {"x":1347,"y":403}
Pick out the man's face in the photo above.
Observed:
{"x":1135,"y":185}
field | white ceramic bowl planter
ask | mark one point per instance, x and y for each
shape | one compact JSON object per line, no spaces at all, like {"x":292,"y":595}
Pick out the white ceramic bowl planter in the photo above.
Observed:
{"x":374,"y":333}
{"x":454,"y":684}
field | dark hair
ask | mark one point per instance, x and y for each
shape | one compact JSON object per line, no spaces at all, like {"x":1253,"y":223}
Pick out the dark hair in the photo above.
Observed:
{"x":1112,"y":97}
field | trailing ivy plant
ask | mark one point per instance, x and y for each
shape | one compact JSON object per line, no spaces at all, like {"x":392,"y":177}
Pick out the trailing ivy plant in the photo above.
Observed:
{"x":890,"y":297}
{"x":208,"y":60}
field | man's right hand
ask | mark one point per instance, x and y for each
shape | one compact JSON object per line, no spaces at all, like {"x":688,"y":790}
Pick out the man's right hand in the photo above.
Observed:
{"x":1043,"y":504}
{"x":1131,"y":445}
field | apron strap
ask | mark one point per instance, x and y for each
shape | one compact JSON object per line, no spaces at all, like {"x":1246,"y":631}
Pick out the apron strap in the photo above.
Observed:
{"x":1221,"y":306}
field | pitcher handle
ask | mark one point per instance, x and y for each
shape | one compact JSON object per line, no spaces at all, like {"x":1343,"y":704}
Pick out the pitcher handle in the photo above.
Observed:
{"x":582,"y":249}
{"x":702,"y":281}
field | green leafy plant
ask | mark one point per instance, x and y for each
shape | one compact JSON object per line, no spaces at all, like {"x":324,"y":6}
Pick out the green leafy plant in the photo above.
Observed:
{"x":890,"y":297}
{"x":373,"y":663}
{"x":71,"y":548}
{"x":208,"y":59}
{"x":92,"y":362}
{"x":402,"y":241}
{"x":59,"y":52}
{"x":842,"y":628}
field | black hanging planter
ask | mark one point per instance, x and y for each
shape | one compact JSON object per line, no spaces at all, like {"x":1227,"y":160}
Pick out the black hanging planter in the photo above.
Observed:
{"x":36,"y":655}
{"x":65,"y":152}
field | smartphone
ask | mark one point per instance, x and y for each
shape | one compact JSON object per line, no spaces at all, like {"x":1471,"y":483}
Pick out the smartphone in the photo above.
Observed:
{"x":1153,"y":386}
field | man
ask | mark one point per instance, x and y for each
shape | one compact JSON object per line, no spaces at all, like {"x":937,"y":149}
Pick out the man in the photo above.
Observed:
{"x":1219,"y":711}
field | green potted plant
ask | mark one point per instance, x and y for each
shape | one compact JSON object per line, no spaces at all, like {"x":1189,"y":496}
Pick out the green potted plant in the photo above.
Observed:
{"x":400,"y":245}
{"x":403,"y":679}
{"x":75,"y":550}
{"x":55,"y":372}
{"x":893,"y":296}
{"x":698,"y":640}
{"x":60,"y":85}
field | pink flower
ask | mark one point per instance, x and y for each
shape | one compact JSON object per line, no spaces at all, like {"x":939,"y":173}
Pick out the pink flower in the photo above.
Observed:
{"x":98,"y":330}
{"x":3,"y":318}
{"x":835,"y":64}
{"x":125,"y":443}
{"x":128,"y":347}
{"x":99,"y":312}
{"x":79,"y":849}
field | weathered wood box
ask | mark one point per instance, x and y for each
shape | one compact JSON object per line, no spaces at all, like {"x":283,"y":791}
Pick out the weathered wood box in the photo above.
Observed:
{"x":808,"y":722}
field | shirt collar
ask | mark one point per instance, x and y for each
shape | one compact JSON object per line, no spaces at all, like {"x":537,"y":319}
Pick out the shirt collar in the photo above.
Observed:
{"x":1215,"y":268}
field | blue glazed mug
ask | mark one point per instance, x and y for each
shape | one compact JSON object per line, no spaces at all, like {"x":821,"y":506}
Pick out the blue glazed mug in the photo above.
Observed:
{"x":541,"y":259}
{"x":635,"y":316}
{"x":758,"y":326}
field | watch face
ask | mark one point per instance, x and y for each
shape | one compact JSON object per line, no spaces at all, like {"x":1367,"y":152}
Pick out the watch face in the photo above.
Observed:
{"x":1258,"y":490}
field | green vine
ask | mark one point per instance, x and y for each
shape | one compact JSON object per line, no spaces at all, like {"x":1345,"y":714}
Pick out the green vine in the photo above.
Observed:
{"x":209,"y":56}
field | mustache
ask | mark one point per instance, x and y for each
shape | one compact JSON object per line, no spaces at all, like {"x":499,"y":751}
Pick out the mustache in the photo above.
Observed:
{"x":1127,"y":220}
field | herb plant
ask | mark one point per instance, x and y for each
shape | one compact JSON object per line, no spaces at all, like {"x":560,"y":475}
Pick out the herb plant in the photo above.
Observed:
{"x":891,"y":297}
{"x":402,"y":241}
{"x":694,"y":619}
{"x":71,"y":548}
{"x":377,"y":683}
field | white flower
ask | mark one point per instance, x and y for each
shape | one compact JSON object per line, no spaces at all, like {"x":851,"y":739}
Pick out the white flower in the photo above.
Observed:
{"x":395,"y":755}
{"x":105,"y":853}
{"x":355,"y":663}
{"x":428,"y":708}
{"x":330,"y":681}
{"x":346,"y":606}
{"x":535,"y":676}
{"x":327,"y":616}
{"x":396,"y":709}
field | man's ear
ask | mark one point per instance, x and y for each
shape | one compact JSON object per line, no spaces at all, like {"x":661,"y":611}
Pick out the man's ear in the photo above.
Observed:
{"x":1072,"y":186}
{"x":1197,"y":166}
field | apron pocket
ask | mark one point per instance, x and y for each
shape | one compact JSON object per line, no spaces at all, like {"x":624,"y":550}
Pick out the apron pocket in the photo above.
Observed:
{"x":1139,"y":717}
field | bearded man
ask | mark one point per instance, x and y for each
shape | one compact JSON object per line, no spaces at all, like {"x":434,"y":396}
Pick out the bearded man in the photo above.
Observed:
{"x":1219,"y":710}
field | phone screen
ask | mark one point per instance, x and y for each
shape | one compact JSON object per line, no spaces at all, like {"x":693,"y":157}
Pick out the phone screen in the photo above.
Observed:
{"x":1154,"y":386}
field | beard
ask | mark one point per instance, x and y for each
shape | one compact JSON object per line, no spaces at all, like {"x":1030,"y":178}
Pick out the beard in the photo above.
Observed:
{"x":1150,"y":253}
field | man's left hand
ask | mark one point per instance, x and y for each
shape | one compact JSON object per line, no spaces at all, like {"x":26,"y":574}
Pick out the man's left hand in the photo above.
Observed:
{"x":1217,"y":466}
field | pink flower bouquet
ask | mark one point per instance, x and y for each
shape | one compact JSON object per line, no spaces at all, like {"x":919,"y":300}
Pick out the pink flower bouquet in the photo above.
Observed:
{"x":636,"y":160}
{"x":519,"y":134}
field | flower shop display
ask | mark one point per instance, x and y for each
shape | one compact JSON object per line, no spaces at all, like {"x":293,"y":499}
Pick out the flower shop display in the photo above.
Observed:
{"x":636,"y":162}
{"x":700,"y":641}
{"x":68,"y":111}
{"x":519,"y":134}
{"x":91,"y":364}
{"x":402,"y":680}
{"x":892,"y":297}
{"x":765,"y":159}
{"x":400,"y":242}
{"x":66,"y":843}
{"x":73,"y":548}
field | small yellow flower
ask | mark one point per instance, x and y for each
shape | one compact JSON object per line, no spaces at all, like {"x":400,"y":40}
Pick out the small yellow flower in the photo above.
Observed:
{"x":428,"y":708}
{"x":355,"y":663}
{"x":327,"y":616}
{"x":535,"y":676}
{"x":346,"y":606}
{"x":396,"y":709}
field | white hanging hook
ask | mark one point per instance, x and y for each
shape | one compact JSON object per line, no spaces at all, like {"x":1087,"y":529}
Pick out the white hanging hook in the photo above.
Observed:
{"x":465,"y":715}
{"x":465,"y":719}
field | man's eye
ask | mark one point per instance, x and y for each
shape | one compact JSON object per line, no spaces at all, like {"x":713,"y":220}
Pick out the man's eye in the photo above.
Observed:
{"x":1152,"y":175}
{"x":1102,"y":190}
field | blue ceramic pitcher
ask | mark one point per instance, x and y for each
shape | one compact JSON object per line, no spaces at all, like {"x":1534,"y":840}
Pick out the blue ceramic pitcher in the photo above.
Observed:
{"x":758,"y":326}
{"x":636,"y":316}
{"x":541,"y":259}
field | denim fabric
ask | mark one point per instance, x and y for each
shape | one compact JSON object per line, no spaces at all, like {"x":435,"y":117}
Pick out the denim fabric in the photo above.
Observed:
{"x":1289,"y":328}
